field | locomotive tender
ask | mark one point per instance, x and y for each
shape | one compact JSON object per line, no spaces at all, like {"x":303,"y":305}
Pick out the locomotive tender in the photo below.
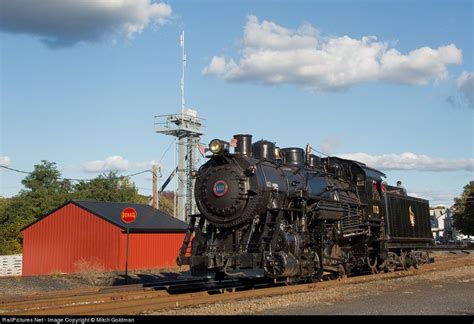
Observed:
{"x":289,"y":215}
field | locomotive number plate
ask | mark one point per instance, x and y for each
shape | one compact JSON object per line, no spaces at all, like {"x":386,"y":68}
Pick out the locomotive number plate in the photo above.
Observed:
{"x":376,"y":210}
{"x":220,"y":188}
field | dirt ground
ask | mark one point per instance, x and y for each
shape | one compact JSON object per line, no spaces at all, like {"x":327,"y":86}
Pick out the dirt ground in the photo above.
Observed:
{"x":424,"y":294}
{"x":21,"y":286}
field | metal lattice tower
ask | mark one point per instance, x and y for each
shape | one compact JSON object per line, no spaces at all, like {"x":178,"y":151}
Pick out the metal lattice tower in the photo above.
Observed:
{"x":187,"y":128}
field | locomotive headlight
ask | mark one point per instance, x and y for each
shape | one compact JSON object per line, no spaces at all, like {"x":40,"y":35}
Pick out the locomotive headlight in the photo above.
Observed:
{"x":218,"y":147}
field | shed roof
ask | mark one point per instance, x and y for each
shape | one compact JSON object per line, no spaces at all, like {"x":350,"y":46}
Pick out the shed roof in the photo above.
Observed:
{"x":149,"y":219}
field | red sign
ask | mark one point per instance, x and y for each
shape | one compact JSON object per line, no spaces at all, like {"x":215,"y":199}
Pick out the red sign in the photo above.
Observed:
{"x":220,"y":188}
{"x":129,"y":215}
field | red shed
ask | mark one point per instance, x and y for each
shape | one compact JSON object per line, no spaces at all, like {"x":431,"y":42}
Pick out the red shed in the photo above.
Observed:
{"x":91,"y":231}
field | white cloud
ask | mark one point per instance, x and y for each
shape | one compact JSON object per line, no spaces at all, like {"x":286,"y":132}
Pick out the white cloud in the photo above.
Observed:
{"x":465,"y":84}
{"x":411,"y":161}
{"x":147,"y":165}
{"x":273,"y":54}
{"x":5,"y":161}
{"x":112,"y":163}
{"x":61,"y":23}
{"x":116,"y":163}
{"x":329,"y":144}
{"x":435,"y":197}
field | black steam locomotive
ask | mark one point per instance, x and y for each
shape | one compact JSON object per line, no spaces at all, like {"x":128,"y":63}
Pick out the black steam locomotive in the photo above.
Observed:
{"x":292,"y":216}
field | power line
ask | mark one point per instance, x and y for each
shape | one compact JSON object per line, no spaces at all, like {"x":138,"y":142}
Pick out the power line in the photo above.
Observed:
{"x":169,"y":147}
{"x":161,"y":159}
{"x":72,"y":179}
{"x":135,"y":174}
{"x":312,"y":149}
{"x":11,"y":169}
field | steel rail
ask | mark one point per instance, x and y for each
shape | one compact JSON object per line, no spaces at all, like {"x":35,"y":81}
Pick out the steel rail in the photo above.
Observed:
{"x":91,"y":292}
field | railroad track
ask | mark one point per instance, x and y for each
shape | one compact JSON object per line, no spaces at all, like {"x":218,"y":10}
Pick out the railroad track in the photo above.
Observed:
{"x":139,"y":299}
{"x":452,"y":248}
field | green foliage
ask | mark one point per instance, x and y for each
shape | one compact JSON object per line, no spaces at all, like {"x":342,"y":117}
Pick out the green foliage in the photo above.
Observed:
{"x":464,"y":210}
{"x":109,"y":187}
{"x":46,"y":177}
{"x":45,"y":191}
{"x":167,"y":202}
{"x":14,"y":215}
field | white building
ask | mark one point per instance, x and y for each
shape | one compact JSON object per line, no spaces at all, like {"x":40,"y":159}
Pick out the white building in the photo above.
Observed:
{"x":442,"y":224}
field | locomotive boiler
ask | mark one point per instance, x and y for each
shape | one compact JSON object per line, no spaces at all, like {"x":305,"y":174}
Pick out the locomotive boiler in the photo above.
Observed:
{"x":287,"y":214}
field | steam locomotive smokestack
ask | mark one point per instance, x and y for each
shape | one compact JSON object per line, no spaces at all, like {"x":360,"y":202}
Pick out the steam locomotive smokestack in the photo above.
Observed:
{"x":244,"y":144}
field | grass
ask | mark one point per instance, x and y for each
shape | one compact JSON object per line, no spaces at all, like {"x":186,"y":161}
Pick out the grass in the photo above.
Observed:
{"x":93,"y":272}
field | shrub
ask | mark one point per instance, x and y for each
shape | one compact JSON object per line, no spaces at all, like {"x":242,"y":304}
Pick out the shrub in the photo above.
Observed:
{"x":93,"y":272}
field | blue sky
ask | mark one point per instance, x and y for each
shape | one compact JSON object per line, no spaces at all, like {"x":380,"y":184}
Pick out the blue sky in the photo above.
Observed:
{"x":90,"y":91}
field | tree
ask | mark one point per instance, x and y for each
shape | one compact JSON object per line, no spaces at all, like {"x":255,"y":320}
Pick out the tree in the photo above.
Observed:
{"x":15,"y":213}
{"x":464,"y":210}
{"x":167,"y":202}
{"x":108,"y":187}
{"x":44,"y":191}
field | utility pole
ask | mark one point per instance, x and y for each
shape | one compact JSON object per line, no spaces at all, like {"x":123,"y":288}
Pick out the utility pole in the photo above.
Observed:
{"x":155,"y":186}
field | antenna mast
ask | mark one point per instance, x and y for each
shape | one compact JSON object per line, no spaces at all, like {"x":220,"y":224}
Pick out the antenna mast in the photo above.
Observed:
{"x":183,"y":63}
{"x":188,"y":128}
